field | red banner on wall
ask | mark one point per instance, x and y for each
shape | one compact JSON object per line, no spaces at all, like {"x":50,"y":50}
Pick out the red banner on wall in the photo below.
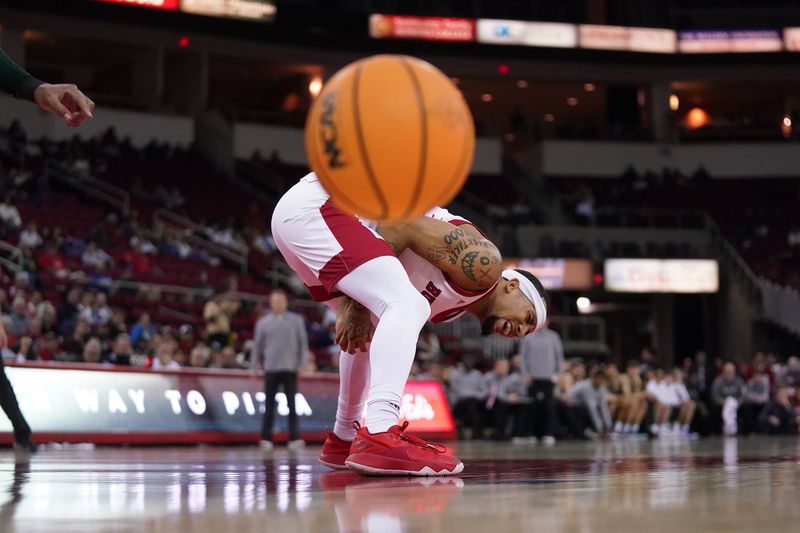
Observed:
{"x":168,"y":5}
{"x":422,"y":28}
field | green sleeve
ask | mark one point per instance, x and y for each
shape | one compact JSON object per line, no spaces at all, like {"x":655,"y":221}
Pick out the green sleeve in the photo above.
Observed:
{"x":16,"y":81}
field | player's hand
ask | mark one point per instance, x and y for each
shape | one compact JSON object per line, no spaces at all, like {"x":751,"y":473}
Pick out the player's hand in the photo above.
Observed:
{"x":66,"y":101}
{"x":3,"y":337}
{"x":353,"y":328}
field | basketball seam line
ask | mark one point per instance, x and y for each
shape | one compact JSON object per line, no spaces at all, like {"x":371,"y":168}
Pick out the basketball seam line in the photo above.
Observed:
{"x":362,"y":147}
{"x":330,"y":184}
{"x":423,"y":156}
{"x":459,"y":170}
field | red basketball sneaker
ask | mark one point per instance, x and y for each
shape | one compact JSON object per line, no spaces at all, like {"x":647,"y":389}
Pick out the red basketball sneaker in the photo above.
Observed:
{"x":393,"y":453}
{"x":334,"y":452}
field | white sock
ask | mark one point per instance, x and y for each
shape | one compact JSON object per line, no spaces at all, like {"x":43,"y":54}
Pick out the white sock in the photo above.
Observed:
{"x":626,"y":428}
{"x":664,"y":429}
{"x":353,"y":386}
{"x":383,"y":287}
{"x":618,"y":427}
{"x":635,"y":428}
{"x":655,"y":429}
{"x":685,"y":428}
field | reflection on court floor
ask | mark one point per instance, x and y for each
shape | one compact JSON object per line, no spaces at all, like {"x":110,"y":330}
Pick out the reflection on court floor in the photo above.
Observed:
{"x":711,"y":485}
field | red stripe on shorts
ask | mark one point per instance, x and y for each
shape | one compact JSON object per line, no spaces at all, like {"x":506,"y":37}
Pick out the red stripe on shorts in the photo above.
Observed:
{"x":358,"y":243}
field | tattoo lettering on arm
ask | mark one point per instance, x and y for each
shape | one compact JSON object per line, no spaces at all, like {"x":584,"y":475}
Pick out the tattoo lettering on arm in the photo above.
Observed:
{"x":484,"y":271}
{"x":437,"y":253}
{"x":468,"y":265}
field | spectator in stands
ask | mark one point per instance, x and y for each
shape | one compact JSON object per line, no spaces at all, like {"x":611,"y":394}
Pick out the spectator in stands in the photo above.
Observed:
{"x":30,"y":238}
{"x":632,"y":403}
{"x":215,"y":356}
{"x":93,"y":351}
{"x":186,"y":340}
{"x":50,"y":349}
{"x":280,"y":350}
{"x":588,"y":411}
{"x":263,"y":242}
{"x":755,"y":398}
{"x":85,"y":307}
{"x":17,"y":321}
{"x":464,"y":390}
{"x":428,"y":347}
{"x":50,"y":260}
{"x":229,"y":361}
{"x":506,"y":401}
{"x":700,"y":368}
{"x":726,"y":393}
{"x":142,"y":244}
{"x":100,"y":311}
{"x":94,"y":257}
{"x":25,"y":350}
{"x":198,"y":357}
{"x":684,"y":404}
{"x":164,"y":358}
{"x":778,"y":416}
{"x":9,"y":215}
{"x":542,"y":362}
{"x":218,"y":314}
{"x":23,"y":256}
{"x":121,"y":351}
{"x":791,"y":375}
{"x":73,"y":347}
{"x":142,"y":332}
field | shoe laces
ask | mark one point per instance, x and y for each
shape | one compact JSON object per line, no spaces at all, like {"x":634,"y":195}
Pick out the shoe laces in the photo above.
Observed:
{"x":422,"y":443}
{"x":411,"y":439}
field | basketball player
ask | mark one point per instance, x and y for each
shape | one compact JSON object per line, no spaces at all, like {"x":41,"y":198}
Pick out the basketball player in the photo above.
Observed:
{"x":436,"y":267}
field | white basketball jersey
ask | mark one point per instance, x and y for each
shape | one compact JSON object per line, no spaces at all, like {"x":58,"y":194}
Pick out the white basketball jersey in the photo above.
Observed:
{"x":446,"y":298}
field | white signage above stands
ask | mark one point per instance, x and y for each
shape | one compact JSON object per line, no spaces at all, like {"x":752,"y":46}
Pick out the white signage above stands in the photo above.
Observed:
{"x":662,"y":275}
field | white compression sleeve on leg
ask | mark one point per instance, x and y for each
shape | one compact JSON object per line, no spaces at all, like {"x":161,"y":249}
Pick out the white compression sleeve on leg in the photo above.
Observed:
{"x":353,"y":387}
{"x":382,"y":286}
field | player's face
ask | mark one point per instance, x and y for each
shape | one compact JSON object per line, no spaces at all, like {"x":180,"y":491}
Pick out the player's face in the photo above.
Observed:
{"x":511,"y":314}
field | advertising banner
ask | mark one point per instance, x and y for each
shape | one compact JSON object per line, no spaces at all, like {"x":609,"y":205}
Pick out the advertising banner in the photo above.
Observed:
{"x":729,"y":41}
{"x":422,"y":28}
{"x":243,"y":9}
{"x":654,"y":40}
{"x":104,"y":404}
{"x":557,"y":274}
{"x":662,"y":275}
{"x":791,"y":39}
{"x":169,"y":5}
{"x":517,"y":32}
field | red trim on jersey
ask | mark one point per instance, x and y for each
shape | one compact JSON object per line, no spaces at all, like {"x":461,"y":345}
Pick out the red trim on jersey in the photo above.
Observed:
{"x":358,"y":243}
{"x":461,"y":222}
{"x":319,"y":294}
{"x":465,"y":292}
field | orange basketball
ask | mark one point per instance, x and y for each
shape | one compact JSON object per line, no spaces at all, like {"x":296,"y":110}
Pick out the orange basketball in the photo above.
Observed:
{"x":390,"y":137}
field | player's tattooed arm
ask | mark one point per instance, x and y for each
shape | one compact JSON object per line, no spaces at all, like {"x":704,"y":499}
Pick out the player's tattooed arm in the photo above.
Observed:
{"x":354,"y":326}
{"x":395,"y":236}
{"x":469,"y":258}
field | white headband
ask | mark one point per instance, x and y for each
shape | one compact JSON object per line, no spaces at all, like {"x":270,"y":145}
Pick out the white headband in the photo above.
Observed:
{"x":529,"y":290}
